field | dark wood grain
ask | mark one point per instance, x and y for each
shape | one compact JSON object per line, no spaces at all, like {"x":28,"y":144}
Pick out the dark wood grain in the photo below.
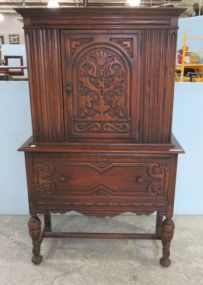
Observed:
{"x":167,"y":235}
{"x":158,"y":63}
{"x":118,"y":17}
{"x":34,"y":225}
{"x":101,"y":71}
{"x":142,"y":47}
{"x":101,"y":88}
{"x":127,"y":147}
{"x":100,"y":235}
{"x":44,"y":68}
{"x":47,"y":221}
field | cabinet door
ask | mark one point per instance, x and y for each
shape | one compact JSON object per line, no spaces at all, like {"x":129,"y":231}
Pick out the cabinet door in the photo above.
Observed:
{"x":101,"y":84}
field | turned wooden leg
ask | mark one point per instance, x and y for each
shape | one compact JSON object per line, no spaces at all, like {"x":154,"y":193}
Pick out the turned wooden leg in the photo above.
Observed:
{"x":34,"y":225}
{"x":166,"y":237}
{"x":159,"y":220}
{"x":47,"y":222}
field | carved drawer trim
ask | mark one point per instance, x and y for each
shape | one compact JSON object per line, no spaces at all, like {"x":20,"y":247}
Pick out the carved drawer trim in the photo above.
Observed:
{"x":56,"y":178}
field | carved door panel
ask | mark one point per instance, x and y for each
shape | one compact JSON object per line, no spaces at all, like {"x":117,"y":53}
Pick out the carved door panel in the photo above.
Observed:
{"x":101,"y":84}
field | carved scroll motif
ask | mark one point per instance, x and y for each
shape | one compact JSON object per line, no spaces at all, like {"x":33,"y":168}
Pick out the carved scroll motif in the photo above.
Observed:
{"x":154,"y":179}
{"x":44,"y":183}
{"x":102,"y":127}
{"x":158,"y":173}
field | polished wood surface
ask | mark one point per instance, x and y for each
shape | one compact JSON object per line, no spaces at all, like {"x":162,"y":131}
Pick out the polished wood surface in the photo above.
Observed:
{"x":143,"y":41}
{"x":102,"y":185}
{"x":101,"y":72}
{"x":101,"y":88}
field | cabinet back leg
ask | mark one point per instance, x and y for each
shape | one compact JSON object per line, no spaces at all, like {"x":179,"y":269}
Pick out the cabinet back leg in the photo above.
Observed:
{"x":159,"y":220}
{"x":47,"y":222}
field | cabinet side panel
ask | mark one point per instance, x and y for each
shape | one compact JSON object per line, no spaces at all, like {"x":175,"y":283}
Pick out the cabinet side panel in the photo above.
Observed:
{"x":43,"y":52}
{"x":169,"y":81}
{"x":157,"y":87}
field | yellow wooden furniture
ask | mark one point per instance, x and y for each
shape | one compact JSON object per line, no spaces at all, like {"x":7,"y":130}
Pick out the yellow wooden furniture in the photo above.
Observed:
{"x":198,"y":68}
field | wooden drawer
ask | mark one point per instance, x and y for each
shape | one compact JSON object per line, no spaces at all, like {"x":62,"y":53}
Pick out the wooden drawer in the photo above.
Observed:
{"x":99,"y":179}
{"x":114,"y":178}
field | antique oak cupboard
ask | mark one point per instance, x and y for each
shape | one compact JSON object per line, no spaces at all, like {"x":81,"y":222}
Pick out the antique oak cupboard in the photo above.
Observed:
{"x":101,"y":89}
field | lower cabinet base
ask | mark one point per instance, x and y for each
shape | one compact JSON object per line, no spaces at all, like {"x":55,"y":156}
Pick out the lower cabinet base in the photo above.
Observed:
{"x":163,"y":231}
{"x":101,"y":181}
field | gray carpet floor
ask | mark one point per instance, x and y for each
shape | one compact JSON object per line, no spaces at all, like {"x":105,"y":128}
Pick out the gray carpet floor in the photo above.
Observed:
{"x":101,"y":262}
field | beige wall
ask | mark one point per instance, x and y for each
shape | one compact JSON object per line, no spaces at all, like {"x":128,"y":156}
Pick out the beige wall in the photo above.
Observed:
{"x":10,"y":26}
{"x":191,"y":2}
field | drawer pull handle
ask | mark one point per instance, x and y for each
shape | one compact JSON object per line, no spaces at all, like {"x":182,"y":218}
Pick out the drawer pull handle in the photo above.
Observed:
{"x":62,"y":178}
{"x":139,"y":180}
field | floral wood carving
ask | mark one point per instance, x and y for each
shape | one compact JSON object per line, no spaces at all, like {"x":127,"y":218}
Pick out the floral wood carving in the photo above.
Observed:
{"x":77,"y":43}
{"x":127,"y":44}
{"x":102,"y":80}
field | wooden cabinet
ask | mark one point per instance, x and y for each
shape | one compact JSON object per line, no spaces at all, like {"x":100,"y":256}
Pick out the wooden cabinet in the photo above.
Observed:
{"x":101,"y":89}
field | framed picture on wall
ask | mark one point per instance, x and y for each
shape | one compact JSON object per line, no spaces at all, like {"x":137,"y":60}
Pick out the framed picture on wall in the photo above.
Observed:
{"x":14,"y":39}
{"x":1,"y":40}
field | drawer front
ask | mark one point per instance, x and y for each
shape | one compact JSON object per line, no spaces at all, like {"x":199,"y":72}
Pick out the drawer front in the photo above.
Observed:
{"x":88,"y":179}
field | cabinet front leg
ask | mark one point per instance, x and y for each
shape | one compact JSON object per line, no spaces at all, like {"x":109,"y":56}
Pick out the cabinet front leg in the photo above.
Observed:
{"x":34,"y":225}
{"x":166,"y":237}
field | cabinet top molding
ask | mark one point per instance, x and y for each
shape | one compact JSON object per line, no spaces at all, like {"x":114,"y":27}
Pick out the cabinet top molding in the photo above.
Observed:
{"x":118,"y":17}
